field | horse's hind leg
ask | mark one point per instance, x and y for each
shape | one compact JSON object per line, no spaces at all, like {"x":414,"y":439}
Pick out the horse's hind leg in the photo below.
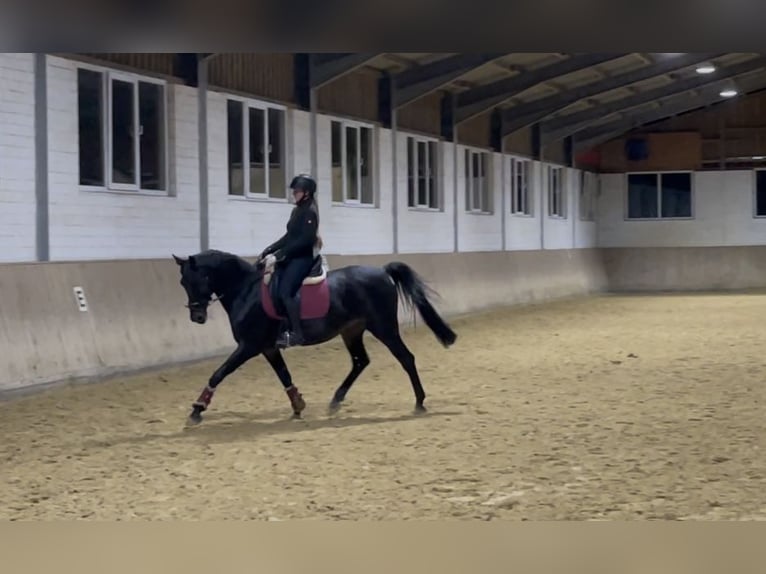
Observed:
{"x":388,"y":334}
{"x":354,"y":340}
{"x":274,"y":357}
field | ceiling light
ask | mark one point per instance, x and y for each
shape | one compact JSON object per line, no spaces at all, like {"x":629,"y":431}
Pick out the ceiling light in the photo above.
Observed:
{"x":759,"y":157}
{"x":706,"y":69}
{"x":728,"y":93}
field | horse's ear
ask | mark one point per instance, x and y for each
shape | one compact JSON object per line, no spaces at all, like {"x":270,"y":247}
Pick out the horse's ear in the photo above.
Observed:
{"x":192,"y":263}
{"x":179,"y":260}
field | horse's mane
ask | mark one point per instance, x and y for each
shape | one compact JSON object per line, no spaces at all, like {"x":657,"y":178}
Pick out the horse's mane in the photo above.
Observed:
{"x":218,"y":259}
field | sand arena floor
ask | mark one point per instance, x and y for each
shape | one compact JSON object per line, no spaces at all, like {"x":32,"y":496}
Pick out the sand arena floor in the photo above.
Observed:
{"x":613,"y":407}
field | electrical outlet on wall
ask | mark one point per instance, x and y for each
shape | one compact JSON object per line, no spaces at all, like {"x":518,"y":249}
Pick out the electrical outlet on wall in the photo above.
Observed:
{"x":82,"y":302}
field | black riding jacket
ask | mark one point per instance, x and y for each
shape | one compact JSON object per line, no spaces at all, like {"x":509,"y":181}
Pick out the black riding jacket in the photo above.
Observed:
{"x":301,"y":234}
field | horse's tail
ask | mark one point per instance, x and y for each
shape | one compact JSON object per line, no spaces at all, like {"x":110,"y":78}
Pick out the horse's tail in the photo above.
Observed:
{"x":413,"y":291}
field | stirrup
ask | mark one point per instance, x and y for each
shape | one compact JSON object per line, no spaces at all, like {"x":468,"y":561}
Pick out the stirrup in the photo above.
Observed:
{"x":286,"y":340}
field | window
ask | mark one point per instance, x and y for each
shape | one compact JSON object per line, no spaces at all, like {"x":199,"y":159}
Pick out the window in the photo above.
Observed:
{"x":760,"y":193}
{"x":589,"y":186}
{"x":352,"y":167}
{"x":521,"y":203}
{"x":556,"y":198}
{"x":122,"y":128}
{"x":256,"y":131}
{"x":477,"y":193}
{"x":660,"y":195}
{"x":422,"y":168}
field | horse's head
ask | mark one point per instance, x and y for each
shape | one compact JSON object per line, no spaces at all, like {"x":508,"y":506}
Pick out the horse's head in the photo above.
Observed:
{"x":196,"y":283}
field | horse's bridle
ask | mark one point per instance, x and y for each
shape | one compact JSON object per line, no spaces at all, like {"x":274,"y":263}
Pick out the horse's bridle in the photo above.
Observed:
{"x":206,"y":304}
{"x":197,"y":304}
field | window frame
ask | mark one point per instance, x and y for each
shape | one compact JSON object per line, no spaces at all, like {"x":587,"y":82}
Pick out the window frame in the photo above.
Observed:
{"x":468,"y":152}
{"x":107,"y":147}
{"x":356,"y":124}
{"x":755,"y":193}
{"x":594,"y":194}
{"x":529,"y":196}
{"x":437,"y":168}
{"x":247,"y":103}
{"x":563,"y":195}
{"x":657,"y":174}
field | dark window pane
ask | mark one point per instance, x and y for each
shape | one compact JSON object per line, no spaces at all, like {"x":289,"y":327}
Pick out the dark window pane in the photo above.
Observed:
{"x":676,"y":194}
{"x":151,"y":112}
{"x":760,"y":192}
{"x":336,"y":160}
{"x":642,"y":196}
{"x":411,"y":172}
{"x":365,"y":135}
{"x":277,"y":171}
{"x":257,"y":141}
{"x":90,"y":105}
{"x":468,"y":187}
{"x":422,"y":179}
{"x":433,"y":198}
{"x":123,"y":133}
{"x":352,"y":163}
{"x":236,"y":149}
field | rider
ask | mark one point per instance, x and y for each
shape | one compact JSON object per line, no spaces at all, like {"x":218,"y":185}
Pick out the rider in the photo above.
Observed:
{"x":294,"y":253}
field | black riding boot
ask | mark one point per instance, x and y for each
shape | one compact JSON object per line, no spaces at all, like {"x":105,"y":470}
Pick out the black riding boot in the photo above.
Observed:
{"x":294,"y":336}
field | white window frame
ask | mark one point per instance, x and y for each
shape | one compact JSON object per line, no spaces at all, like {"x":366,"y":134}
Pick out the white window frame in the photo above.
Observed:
{"x":590,"y":185}
{"x":550,"y":190}
{"x":486,"y":177}
{"x":133,"y":78}
{"x":527,"y":210}
{"x":417,"y":138}
{"x":356,"y":124}
{"x":755,"y":193}
{"x":657,"y":174}
{"x":260,"y":105}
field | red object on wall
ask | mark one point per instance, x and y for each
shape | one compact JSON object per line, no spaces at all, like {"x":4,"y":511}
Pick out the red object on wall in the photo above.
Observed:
{"x":591,"y":157}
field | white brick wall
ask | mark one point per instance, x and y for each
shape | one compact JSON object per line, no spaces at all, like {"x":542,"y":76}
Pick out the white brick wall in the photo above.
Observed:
{"x":558,"y":233}
{"x":523,"y":233}
{"x":723,"y":215}
{"x":17,"y":157}
{"x":242,"y":225}
{"x":354,"y":230}
{"x":123,"y":225}
{"x":103,"y":225}
{"x":426,"y":231}
{"x":480,"y":232}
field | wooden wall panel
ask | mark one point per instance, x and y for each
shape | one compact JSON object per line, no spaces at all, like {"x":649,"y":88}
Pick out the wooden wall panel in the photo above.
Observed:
{"x":423,"y":115}
{"x":519,"y":142}
{"x":730,"y":131}
{"x":159,"y":63}
{"x":476,"y":131}
{"x":667,"y":151}
{"x":266,"y":75}
{"x":555,"y":153}
{"x":354,"y":95}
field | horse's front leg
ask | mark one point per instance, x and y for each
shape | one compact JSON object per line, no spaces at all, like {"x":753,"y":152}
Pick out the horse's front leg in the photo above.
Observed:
{"x":274,"y":357}
{"x":243,"y":353}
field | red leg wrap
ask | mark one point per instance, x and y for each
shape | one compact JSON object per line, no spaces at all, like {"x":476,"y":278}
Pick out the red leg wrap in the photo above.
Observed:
{"x":296,"y":399}
{"x":205,"y":397}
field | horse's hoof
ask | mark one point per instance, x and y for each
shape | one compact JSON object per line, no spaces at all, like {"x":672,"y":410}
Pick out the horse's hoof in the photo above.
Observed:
{"x":420,"y":409}
{"x":194,"y":419}
{"x":334,"y":407}
{"x":296,"y":416}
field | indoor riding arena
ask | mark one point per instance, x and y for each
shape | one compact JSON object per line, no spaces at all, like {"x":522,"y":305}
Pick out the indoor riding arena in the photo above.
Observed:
{"x":593,"y":227}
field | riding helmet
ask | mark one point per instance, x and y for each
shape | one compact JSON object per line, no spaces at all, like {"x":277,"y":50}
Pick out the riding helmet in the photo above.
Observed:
{"x":304,"y":182}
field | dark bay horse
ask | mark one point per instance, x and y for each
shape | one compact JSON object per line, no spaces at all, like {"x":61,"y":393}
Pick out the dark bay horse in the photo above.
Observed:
{"x":347,"y":301}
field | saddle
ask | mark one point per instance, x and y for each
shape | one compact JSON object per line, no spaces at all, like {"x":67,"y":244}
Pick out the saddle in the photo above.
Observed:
{"x":313,"y":296}
{"x":317,"y":274}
